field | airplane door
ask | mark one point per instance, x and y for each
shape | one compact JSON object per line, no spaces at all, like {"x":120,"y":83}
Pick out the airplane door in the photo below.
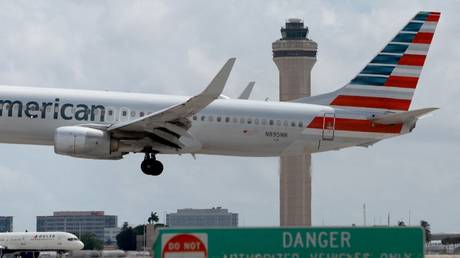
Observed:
{"x":328,"y":126}
{"x":59,"y":240}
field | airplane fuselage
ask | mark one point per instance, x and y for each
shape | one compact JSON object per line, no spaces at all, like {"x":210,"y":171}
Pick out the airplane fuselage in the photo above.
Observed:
{"x":38,"y":241}
{"x":225,"y":127}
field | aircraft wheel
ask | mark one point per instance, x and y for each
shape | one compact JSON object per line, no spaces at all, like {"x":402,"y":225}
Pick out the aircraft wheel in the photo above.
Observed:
{"x":152,"y":167}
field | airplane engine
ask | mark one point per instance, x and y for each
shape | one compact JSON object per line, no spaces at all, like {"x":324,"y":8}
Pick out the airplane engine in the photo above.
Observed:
{"x":84,"y":142}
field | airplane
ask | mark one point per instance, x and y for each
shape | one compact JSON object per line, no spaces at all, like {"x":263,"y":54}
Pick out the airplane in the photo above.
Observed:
{"x":373,"y":106}
{"x":30,"y":244}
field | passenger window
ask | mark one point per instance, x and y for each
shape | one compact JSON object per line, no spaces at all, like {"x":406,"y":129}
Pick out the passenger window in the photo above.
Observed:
{"x":235,"y":120}
{"x":271,"y":122}
{"x":133,"y":113}
{"x":249,"y":121}
{"x":110,"y":112}
{"x":293,"y":124}
{"x":219,"y":119}
{"x":278,"y":122}
{"x":211,"y":118}
{"x":242,"y":120}
{"x":285,"y":123}
{"x":256,"y":121}
{"x":194,"y":117}
{"x":300,"y":124}
{"x":227,"y":119}
{"x":203,"y":118}
{"x":264,"y":121}
{"x":141,"y":114}
{"x":124,"y":113}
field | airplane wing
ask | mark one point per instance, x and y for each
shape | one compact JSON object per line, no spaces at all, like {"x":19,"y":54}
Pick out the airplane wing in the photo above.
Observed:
{"x":247,"y":91}
{"x":171,"y":123}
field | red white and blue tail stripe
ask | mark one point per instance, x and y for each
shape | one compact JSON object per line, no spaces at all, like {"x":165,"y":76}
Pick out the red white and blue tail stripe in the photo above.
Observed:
{"x":389,"y":80}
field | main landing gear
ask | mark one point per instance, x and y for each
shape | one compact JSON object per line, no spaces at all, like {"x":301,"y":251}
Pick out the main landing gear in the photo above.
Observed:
{"x":151,"y":166}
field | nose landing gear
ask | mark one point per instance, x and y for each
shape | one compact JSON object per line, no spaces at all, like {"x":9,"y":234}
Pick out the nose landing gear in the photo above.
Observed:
{"x":151,"y":166}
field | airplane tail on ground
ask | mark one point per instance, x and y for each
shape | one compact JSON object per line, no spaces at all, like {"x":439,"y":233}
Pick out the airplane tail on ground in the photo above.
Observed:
{"x":389,"y":80}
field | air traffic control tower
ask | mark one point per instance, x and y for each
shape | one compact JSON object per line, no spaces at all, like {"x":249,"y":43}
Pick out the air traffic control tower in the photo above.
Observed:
{"x":294,"y":55}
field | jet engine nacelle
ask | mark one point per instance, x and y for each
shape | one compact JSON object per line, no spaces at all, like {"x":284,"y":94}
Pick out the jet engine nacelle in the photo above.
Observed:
{"x":84,"y":142}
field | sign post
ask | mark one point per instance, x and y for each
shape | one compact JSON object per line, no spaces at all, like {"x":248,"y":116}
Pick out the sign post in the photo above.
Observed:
{"x":321,"y":242}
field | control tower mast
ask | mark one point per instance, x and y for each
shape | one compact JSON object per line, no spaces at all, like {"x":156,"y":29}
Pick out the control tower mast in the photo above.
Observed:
{"x":294,"y":55}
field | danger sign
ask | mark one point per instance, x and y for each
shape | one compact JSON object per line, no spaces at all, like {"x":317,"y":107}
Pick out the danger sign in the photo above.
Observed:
{"x":184,"y":245}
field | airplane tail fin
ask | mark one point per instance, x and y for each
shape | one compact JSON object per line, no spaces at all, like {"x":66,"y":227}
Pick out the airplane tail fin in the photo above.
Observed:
{"x":389,"y":80}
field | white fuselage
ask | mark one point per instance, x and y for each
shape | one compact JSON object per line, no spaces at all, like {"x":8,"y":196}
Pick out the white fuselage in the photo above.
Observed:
{"x":39,"y":241}
{"x":225,"y":127}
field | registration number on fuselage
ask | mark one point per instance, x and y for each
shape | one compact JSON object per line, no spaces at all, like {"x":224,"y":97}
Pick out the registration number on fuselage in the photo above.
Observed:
{"x":276,"y":134}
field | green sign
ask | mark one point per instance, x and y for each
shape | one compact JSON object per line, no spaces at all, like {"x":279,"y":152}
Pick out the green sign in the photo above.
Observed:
{"x":315,"y":242}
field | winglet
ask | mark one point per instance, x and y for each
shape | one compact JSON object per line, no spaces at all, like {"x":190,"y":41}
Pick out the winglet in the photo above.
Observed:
{"x":247,"y":91}
{"x":216,"y":86}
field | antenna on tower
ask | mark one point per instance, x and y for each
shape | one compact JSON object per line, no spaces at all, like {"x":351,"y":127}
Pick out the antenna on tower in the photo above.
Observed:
{"x":364,"y":214}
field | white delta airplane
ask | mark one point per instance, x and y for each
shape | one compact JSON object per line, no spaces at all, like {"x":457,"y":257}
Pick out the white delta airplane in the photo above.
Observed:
{"x":30,"y":244}
{"x":108,"y":125}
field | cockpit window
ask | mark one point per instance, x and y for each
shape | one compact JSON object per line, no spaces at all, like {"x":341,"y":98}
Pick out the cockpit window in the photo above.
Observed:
{"x":72,"y":239}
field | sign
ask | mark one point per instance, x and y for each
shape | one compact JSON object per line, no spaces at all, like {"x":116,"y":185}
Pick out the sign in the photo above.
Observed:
{"x":184,"y":245}
{"x":315,"y":242}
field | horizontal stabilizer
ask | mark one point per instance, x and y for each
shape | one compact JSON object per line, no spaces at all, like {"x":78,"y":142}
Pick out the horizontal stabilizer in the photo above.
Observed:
{"x":402,"y":117}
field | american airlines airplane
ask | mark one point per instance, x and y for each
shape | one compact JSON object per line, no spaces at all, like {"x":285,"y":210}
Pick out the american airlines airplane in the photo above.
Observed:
{"x":108,"y":125}
{"x":30,"y":244}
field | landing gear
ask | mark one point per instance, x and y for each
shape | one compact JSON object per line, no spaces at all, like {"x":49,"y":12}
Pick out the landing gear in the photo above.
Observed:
{"x":151,"y":166}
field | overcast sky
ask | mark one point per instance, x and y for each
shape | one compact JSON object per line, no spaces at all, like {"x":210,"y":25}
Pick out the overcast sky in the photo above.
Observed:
{"x":176,"y":47}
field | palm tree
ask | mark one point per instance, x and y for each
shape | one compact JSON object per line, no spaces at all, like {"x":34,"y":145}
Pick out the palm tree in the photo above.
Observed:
{"x":153,"y":218}
{"x":425,"y":225}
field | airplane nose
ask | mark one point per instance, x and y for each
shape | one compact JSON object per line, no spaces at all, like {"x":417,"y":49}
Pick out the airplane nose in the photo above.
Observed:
{"x":80,"y":245}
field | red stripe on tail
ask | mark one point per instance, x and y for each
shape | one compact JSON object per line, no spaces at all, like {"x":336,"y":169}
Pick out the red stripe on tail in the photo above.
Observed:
{"x":402,"y":82}
{"x":371,"y":102}
{"x":408,"y":59}
{"x":433,"y":17}
{"x":423,"y":37}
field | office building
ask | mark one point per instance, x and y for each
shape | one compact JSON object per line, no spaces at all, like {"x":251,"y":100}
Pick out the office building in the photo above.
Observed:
{"x":110,"y":235}
{"x":78,"y":222}
{"x":6,"y":224}
{"x":215,"y":217}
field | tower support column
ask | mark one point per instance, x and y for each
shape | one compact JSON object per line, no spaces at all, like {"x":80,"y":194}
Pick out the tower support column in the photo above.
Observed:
{"x":294,"y":55}
{"x":295,"y":190}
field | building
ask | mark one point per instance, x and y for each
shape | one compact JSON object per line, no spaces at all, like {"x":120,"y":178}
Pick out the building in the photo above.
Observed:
{"x":110,"y":235}
{"x":294,"y":55}
{"x":6,"y":224}
{"x":215,"y":217}
{"x":78,"y":222}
